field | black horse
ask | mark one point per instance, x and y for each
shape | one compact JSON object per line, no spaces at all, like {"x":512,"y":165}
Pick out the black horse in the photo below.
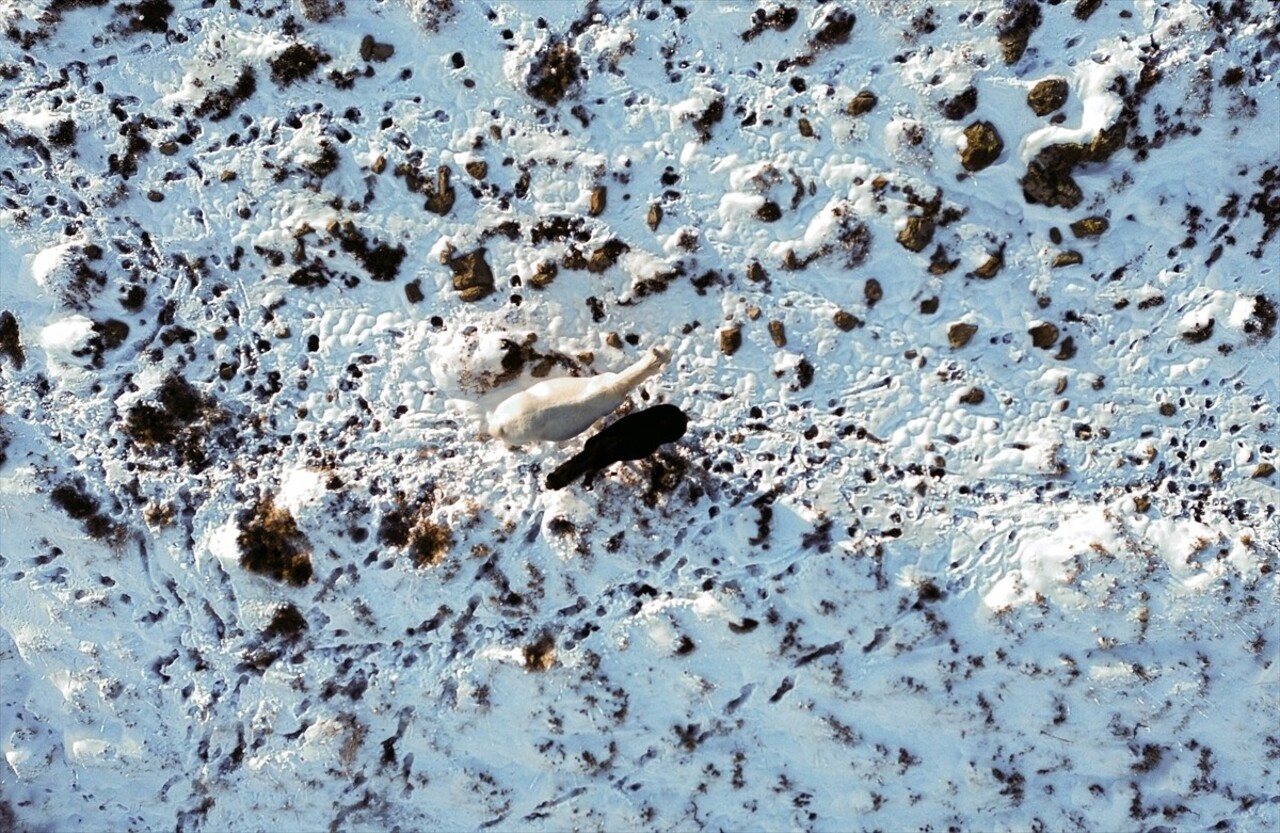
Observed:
{"x":633,"y":437}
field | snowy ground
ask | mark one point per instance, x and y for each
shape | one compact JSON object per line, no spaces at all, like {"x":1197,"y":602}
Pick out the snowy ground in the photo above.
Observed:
{"x":974,"y":527}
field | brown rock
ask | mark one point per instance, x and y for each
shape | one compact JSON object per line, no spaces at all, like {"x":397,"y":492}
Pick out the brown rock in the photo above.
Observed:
{"x":478,"y":168}
{"x":872,"y":292}
{"x":1068,"y":258}
{"x":1047,"y":95}
{"x":655,"y":216}
{"x":472,"y":276}
{"x":778,"y":333}
{"x":960,"y":333}
{"x":983,"y":147}
{"x":599,"y":199}
{"x":1044,"y":335}
{"x":1090,"y":227}
{"x":917,"y":233}
{"x":847,"y":321}
{"x":730,"y":339}
{"x":991,"y":266}
{"x":973,"y":396}
{"x":862,"y":103}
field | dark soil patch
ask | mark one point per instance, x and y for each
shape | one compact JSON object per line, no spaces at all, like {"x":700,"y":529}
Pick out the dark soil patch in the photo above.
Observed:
{"x":780,"y":19}
{"x":272,"y":545}
{"x":177,"y":422}
{"x":555,"y":73}
{"x":80,"y":505}
{"x":296,"y":63}
{"x":10,"y":342}
{"x":222,"y":103}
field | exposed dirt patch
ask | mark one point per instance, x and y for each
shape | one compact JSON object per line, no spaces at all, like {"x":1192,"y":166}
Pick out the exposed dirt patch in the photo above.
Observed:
{"x":272,"y":545}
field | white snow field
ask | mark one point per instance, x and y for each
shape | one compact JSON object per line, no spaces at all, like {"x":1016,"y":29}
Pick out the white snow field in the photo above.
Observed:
{"x":972,"y":308}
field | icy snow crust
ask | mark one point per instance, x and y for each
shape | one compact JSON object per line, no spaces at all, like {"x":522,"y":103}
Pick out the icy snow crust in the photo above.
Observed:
{"x":900,"y":574}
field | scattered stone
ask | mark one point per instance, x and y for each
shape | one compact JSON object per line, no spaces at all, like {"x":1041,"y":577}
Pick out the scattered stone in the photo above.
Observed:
{"x":555,"y":73}
{"x":1067,"y":350}
{"x":834,"y":30}
{"x":472,"y":276}
{"x":10,"y":342}
{"x":441,"y":196}
{"x":778,"y":333}
{"x":1259,"y":326}
{"x":1015,"y":28}
{"x":929,"y":306}
{"x":1048,"y":180}
{"x":769,"y":212}
{"x":918,"y":232}
{"x":544,"y":274}
{"x":1085,"y":8}
{"x":847,"y":321}
{"x":872,"y":292}
{"x":541,"y":654}
{"x":709,"y":118}
{"x":1198,"y":333}
{"x":1067,"y":258}
{"x":413,"y":292}
{"x":805,"y":128}
{"x":1090,"y":227}
{"x":960,"y":333}
{"x":983,"y":146}
{"x":780,"y":19}
{"x":1263,"y":470}
{"x":862,"y":103}
{"x":991,"y":266}
{"x":756,"y":273}
{"x":478,"y":168}
{"x":1047,"y":95}
{"x":372,"y":50}
{"x":654,"y":217}
{"x":973,"y":396}
{"x":804,"y":374}
{"x":599,"y":198}
{"x":1044,"y":335}
{"x":960,"y":105}
{"x":607,"y":255}
{"x":939,"y":263}
{"x":730,"y":339}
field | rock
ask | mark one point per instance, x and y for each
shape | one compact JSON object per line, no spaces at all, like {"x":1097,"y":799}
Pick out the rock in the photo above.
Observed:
{"x":1067,"y":258}
{"x":973,"y":396}
{"x":1198,"y":333}
{"x":847,"y":321}
{"x":835,"y":29}
{"x":472,"y":276}
{"x":1047,"y":95}
{"x":478,"y":168}
{"x":781,"y":19}
{"x":778,"y":333}
{"x":769,"y":212}
{"x":1090,"y":227}
{"x":872,"y":292}
{"x":1263,"y":470}
{"x":960,"y":105}
{"x":1044,"y":335}
{"x":917,"y":233}
{"x":862,"y":103}
{"x":10,"y":341}
{"x":991,"y":266}
{"x":544,"y":274}
{"x":1085,"y":8}
{"x":655,"y":216}
{"x":983,"y":146}
{"x":730,"y":339}
{"x":599,"y":199}
{"x":756,"y":273}
{"x":440,"y":198}
{"x":371,"y":50}
{"x":1048,"y":180}
{"x":607,"y":255}
{"x":1015,"y":28}
{"x":960,"y":333}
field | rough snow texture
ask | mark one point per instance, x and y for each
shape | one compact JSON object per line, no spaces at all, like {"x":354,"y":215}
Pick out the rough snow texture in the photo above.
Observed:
{"x":974,"y":526}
